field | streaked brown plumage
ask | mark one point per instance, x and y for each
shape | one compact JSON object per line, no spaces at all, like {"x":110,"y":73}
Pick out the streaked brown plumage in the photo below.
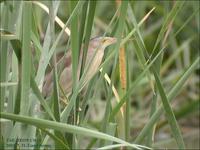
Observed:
{"x":96,"y":49}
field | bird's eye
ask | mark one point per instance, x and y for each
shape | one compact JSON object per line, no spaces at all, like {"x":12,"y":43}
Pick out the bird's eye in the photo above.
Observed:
{"x":104,"y":40}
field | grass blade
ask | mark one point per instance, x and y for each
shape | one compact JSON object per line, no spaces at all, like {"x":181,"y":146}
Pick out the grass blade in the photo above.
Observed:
{"x":41,"y":99}
{"x":47,"y":56}
{"x":41,"y":123}
{"x":171,"y":95}
{"x":169,"y":113}
{"x":171,"y":16}
{"x":3,"y":56}
{"x":133,"y":86}
{"x":26,"y":58}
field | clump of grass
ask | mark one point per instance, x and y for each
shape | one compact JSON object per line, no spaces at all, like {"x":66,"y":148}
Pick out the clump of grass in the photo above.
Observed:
{"x":147,"y":86}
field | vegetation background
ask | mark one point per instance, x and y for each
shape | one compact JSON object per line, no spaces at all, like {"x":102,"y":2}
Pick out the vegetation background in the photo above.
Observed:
{"x":152,"y":99}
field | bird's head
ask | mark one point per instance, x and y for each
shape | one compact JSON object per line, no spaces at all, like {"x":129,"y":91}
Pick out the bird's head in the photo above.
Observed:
{"x":102,"y":42}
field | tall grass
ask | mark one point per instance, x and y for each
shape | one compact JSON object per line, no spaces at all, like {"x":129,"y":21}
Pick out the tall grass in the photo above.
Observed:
{"x":153,"y":69}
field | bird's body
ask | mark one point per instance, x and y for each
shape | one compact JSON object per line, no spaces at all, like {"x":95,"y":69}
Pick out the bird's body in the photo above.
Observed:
{"x":94,"y":57}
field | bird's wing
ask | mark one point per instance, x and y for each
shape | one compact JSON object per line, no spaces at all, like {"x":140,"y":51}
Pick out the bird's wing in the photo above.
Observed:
{"x":48,"y":84}
{"x":66,"y":80}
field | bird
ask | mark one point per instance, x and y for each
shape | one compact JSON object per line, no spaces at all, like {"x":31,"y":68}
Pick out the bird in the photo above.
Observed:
{"x":94,"y":58}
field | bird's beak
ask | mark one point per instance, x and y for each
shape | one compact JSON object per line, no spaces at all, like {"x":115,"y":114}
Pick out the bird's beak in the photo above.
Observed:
{"x":111,"y":40}
{"x":106,"y":41}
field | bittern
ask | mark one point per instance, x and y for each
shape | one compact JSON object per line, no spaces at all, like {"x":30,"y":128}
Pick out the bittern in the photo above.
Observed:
{"x":94,"y":57}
